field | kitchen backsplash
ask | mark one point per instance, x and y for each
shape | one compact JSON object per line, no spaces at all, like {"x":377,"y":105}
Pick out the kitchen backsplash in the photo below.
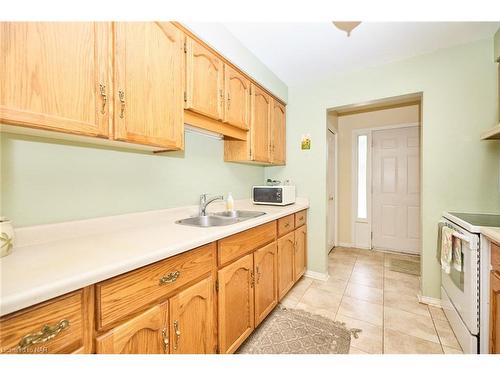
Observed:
{"x":46,"y":181}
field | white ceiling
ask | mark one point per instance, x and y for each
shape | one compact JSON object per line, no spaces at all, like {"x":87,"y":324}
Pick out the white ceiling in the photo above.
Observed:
{"x":301,"y":52}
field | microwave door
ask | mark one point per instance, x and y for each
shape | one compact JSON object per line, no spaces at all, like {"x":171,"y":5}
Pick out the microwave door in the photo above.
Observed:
{"x":267,"y":195}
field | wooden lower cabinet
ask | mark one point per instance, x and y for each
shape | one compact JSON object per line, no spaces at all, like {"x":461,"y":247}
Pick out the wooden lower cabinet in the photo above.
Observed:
{"x":192,"y":319}
{"x":147,"y":333}
{"x":300,"y":252}
{"x":59,"y":326}
{"x":286,"y":260}
{"x":173,"y":306}
{"x":236,"y":303}
{"x":266,"y":281}
{"x":495,"y":312}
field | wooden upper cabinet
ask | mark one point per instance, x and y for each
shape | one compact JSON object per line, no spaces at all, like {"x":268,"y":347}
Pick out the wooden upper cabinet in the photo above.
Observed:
{"x":278,"y":133}
{"x":286,"y":263}
{"x":55,"y":76}
{"x":192,"y":319}
{"x":300,"y":252}
{"x":494,"y":312}
{"x":266,"y":281}
{"x":148,"y":89}
{"x":147,"y":333}
{"x":260,"y":125}
{"x":237,"y":98}
{"x":204,"y":80}
{"x":236,"y":303}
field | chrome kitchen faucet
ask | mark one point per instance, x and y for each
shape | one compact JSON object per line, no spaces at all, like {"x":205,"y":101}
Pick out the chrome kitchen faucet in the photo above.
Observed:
{"x":204,"y":202}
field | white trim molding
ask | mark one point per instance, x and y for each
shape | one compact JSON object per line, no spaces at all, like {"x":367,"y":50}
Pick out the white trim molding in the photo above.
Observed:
{"x":429,"y":300}
{"x":317,"y":275}
{"x":345,"y":244}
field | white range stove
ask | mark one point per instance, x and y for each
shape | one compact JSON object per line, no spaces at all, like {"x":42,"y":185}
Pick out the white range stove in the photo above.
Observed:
{"x":464,"y":294}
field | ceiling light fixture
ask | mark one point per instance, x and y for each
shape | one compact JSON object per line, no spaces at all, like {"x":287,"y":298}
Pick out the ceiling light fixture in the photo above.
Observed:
{"x":346,"y":26}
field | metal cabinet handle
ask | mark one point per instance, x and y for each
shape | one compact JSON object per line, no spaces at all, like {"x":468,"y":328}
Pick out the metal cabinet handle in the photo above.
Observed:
{"x":177,"y":334}
{"x":121,"y":95}
{"x":47,"y":333}
{"x":164,"y":336}
{"x":170,"y":278}
{"x":258,"y":274}
{"x":102,"y":90}
{"x":228,"y":100}
{"x":252,"y":279}
{"x":287,"y":225}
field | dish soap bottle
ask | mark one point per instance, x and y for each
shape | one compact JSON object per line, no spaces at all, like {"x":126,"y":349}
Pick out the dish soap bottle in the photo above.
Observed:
{"x":229,"y":202}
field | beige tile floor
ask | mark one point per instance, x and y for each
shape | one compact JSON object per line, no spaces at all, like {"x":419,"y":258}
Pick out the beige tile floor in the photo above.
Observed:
{"x":364,"y":293}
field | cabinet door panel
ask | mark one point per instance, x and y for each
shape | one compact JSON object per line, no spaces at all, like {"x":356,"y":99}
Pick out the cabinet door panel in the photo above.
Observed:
{"x":300,"y":252}
{"x":144,"y":334}
{"x":261,"y":119}
{"x":286,"y":260}
{"x":192,"y":319}
{"x":278,"y":133}
{"x":236,"y":304}
{"x":204,"y":77}
{"x":266,"y":281}
{"x":237,"y":105}
{"x":149,"y":94}
{"x":51,"y":76}
{"x":495,"y":312}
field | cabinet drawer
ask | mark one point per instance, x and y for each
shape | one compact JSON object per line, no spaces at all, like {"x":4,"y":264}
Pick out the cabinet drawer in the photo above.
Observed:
{"x":55,"y":326}
{"x":286,"y":225}
{"x":495,"y":257}
{"x":239,"y":244}
{"x":131,"y":292}
{"x":300,"y":218}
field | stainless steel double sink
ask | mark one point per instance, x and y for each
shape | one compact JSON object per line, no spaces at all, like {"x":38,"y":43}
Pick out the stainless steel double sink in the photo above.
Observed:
{"x":219,"y":219}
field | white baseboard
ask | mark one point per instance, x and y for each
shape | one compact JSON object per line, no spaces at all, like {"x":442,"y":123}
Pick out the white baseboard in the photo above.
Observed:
{"x":317,"y":275}
{"x":363,"y":247}
{"x":429,"y":300}
{"x":345,"y":244}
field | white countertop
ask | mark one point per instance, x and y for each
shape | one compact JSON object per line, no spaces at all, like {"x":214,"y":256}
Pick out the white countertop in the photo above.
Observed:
{"x":492,"y":233}
{"x":51,"y":260}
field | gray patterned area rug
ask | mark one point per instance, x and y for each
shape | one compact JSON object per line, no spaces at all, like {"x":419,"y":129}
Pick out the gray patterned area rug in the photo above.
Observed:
{"x":291,"y":331}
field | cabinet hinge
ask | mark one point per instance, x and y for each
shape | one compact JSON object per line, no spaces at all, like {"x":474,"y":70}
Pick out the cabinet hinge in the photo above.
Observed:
{"x":185,"y":96}
{"x":217,"y":285}
{"x":185,"y":47}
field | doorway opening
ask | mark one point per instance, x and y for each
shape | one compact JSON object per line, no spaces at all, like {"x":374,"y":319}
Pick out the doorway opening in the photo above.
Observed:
{"x":377,"y":168}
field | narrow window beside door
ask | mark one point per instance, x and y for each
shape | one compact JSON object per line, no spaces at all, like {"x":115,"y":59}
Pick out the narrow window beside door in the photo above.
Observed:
{"x":362,"y":211}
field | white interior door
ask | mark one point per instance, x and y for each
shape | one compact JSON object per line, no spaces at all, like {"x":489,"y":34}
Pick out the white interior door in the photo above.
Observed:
{"x":331,"y":190}
{"x":396,"y":189}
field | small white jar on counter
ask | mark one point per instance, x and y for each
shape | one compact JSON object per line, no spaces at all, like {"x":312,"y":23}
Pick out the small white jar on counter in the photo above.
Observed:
{"x":6,"y":236}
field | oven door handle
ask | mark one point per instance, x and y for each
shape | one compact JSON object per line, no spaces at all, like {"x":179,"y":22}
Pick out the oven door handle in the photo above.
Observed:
{"x":461,"y":236}
{"x":468,"y":239}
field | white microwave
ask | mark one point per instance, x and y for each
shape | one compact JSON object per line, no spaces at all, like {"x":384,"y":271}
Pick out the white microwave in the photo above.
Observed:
{"x":279,"y":195}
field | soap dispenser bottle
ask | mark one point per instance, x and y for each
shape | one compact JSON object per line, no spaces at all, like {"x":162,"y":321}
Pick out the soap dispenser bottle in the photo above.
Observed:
{"x":229,"y":202}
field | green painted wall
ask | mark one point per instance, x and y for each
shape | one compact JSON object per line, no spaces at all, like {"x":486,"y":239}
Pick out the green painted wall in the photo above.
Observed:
{"x":460,"y":172}
{"x":51,"y":181}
